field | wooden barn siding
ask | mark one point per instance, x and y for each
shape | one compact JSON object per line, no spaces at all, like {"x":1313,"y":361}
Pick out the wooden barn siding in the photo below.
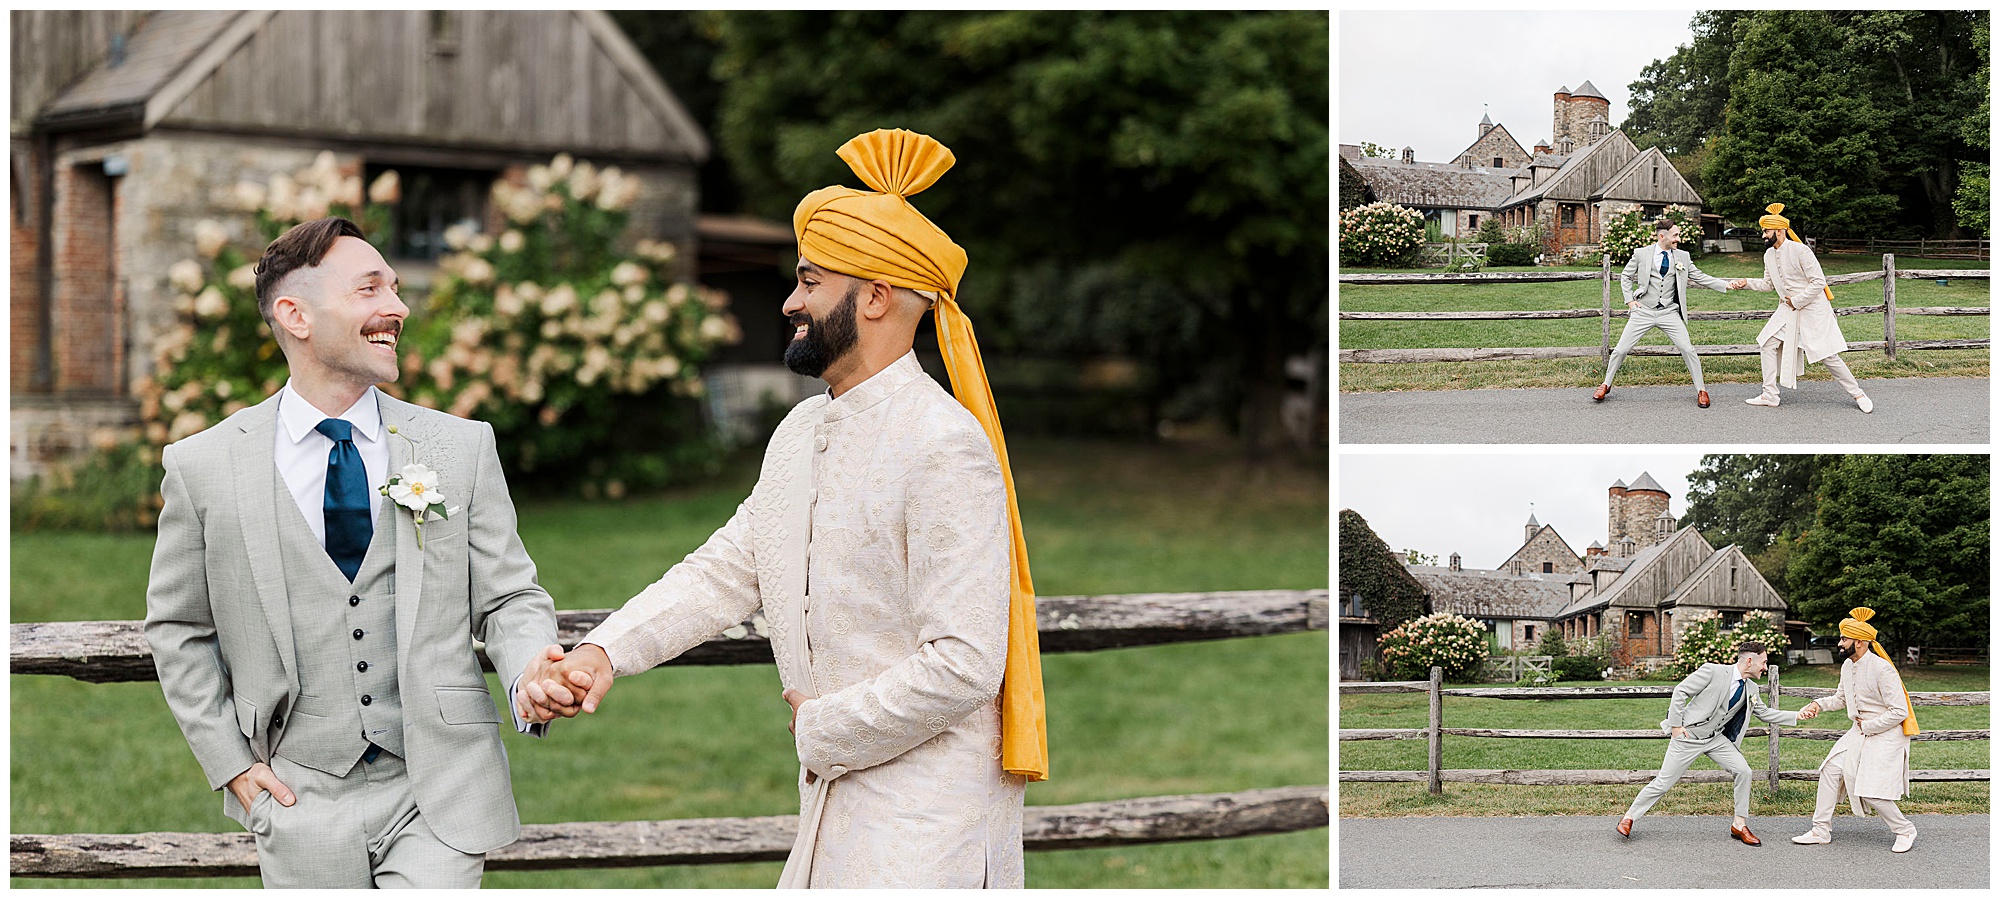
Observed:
{"x":1583,"y":180}
{"x":1752,"y":592}
{"x":532,"y":79}
{"x":1680,"y":558}
{"x":53,"y":48}
{"x":1638,"y":185}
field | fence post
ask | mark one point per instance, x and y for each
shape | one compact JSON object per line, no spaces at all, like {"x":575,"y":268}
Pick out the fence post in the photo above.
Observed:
{"x":1437,"y":731}
{"x":1889,"y":304}
{"x":1604,"y":352}
{"x":1774,"y":728}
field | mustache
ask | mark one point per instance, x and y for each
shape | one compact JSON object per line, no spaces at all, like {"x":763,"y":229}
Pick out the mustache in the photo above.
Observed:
{"x":391,"y":325}
{"x":799,"y":318}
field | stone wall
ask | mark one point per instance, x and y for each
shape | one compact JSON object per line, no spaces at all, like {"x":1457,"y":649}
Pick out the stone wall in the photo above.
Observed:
{"x":1547,"y":547}
{"x":1496,"y":142}
{"x":1637,"y":514}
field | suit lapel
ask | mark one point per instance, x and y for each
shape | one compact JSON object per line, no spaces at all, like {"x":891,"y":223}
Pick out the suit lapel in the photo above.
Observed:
{"x":409,"y":558}
{"x":253,"y":457}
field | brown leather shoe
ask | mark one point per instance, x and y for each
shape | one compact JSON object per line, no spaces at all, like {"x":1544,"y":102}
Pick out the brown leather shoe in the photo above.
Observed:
{"x":1743,"y":833}
{"x":1701,"y":398}
{"x":1625,"y":828}
{"x":1603,"y":390}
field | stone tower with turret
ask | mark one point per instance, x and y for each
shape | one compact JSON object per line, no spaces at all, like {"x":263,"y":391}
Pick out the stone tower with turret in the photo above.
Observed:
{"x":1582,"y":118}
{"x":1637,"y":512}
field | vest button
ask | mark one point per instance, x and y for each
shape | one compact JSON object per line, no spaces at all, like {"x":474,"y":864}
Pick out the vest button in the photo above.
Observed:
{"x":361,"y":666}
{"x":277,"y":722}
{"x":354,"y":600}
{"x":357,"y":633}
{"x":366,"y":700}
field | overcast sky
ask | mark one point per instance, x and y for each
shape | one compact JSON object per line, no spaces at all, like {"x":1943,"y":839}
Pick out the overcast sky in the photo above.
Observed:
{"x":1417,"y":79}
{"x":1475,"y":505}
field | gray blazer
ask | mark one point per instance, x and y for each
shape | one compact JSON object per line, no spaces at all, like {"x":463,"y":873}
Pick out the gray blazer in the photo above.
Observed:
{"x":1642,"y":275}
{"x":1701,"y":704}
{"x":219,"y":620}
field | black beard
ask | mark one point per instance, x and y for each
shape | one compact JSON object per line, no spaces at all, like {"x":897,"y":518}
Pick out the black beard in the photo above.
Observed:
{"x":1770,"y":243}
{"x":825,"y":342}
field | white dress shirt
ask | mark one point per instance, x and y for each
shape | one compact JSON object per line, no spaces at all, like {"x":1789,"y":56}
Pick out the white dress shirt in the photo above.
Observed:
{"x":302,"y":453}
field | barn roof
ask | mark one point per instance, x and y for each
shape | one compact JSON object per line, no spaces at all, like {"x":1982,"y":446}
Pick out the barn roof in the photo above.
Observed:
{"x":1492,"y":594}
{"x":1435,"y":184}
{"x":163,"y":46}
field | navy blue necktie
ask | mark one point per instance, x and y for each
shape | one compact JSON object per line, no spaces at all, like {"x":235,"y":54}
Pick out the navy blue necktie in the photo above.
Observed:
{"x":348,"y":528}
{"x":1736,"y":721}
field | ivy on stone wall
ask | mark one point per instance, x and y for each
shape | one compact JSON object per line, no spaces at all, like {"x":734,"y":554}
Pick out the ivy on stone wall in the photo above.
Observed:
{"x":1388,"y":591}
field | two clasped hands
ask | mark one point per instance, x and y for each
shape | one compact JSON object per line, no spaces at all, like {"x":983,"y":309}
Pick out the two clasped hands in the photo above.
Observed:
{"x":561,"y":684}
{"x":1738,"y":284}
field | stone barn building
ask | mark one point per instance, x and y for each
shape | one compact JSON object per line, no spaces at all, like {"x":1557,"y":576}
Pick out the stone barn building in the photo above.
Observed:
{"x":1639,"y":587}
{"x":129,"y":128}
{"x":1567,"y":185}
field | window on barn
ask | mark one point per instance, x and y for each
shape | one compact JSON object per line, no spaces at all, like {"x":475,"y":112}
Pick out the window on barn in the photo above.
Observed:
{"x":1548,"y":567}
{"x":1635,"y":624}
{"x":1731,"y":619}
{"x":1499,"y":163}
{"x":1528,"y":633}
{"x":1568,"y":215}
{"x":434,"y":199}
{"x":1472,"y":222}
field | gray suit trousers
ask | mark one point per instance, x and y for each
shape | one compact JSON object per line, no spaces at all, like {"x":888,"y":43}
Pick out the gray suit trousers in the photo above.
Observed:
{"x":1681,"y":752}
{"x":354,"y":832}
{"x":1646,"y":318}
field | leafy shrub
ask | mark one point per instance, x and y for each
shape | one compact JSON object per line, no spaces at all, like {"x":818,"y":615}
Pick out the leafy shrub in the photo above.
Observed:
{"x":1444,"y":640}
{"x":1511,"y":254}
{"x":1380,"y":234}
{"x":1629,"y":231}
{"x":1703,"y":641}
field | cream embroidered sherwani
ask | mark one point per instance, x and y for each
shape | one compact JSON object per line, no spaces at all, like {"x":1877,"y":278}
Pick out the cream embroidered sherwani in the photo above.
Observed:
{"x":1875,"y":755}
{"x":1808,"y":327}
{"x":876,"y":545}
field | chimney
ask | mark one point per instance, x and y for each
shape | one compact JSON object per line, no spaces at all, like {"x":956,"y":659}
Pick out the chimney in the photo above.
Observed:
{"x":1454,"y":562}
{"x":1409,"y":156}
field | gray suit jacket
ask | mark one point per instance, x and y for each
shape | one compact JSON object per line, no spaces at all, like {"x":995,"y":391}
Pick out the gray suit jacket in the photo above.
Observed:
{"x":1701,"y":704}
{"x":1642,"y":276}
{"x":219,"y":620}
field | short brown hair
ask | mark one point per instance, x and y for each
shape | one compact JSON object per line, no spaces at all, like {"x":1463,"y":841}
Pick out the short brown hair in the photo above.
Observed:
{"x":305,"y":246}
{"x":1662,"y":225}
{"x":1750,"y":647}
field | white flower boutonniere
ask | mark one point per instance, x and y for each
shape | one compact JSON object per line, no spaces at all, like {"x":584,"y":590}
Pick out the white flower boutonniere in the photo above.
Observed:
{"x":416,"y":489}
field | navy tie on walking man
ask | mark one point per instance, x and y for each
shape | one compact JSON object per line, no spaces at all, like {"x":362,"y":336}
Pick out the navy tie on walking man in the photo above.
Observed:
{"x":1655,"y":285}
{"x":1706,"y":716}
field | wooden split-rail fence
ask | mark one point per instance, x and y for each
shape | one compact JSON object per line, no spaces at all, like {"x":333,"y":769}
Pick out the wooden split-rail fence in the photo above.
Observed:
{"x":115,"y":651}
{"x":1887,"y":309}
{"x":1436,"y":774}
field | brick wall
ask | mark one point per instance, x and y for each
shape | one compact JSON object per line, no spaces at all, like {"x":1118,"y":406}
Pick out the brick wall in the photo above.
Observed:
{"x":24,"y":335}
{"x":84,"y":316}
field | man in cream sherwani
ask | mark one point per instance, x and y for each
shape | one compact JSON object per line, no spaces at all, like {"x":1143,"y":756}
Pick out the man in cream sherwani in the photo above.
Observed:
{"x":1871,"y":762}
{"x":1708,"y":715}
{"x":881,"y":545}
{"x":1804,"y":328}
{"x":315,"y":649}
{"x":1655,"y":284}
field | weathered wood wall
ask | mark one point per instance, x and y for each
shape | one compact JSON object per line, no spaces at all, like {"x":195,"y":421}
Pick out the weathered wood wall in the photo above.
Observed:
{"x":526,"y":80}
{"x":52,"y":48}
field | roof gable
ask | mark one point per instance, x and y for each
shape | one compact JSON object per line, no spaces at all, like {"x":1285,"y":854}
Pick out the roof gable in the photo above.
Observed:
{"x":1509,"y":135}
{"x":1551,"y":529}
{"x":1621,"y":591}
{"x":1635,"y":181}
{"x":1567,"y":184}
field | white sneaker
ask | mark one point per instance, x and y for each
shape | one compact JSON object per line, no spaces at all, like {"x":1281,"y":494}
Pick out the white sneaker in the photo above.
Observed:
{"x":1903,"y":843}
{"x":1866,"y":404}
{"x":1809,"y":837}
{"x":1763,"y":399}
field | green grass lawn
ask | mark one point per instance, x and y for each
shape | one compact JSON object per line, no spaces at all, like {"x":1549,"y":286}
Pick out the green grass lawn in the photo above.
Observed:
{"x":1640,"y":370}
{"x":687,"y":742}
{"x":1793,"y":798}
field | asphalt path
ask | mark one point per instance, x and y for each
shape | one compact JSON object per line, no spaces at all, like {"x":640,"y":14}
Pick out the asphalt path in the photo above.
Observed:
{"x":1907,"y":410}
{"x":1952,"y":852}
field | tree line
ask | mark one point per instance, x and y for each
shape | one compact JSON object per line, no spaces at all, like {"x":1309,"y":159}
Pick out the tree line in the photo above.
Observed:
{"x":1863,"y":123}
{"x":1905,"y":535}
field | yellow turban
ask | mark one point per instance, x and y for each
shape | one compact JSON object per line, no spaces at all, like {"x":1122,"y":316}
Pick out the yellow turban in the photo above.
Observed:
{"x":1856,"y":627}
{"x":1778,"y":222}
{"x":877,"y":234}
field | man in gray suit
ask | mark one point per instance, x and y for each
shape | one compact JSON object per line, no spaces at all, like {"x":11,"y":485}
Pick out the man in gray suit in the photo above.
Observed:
{"x":1655,"y":285}
{"x":314,"y":642}
{"x":1707,"y":716}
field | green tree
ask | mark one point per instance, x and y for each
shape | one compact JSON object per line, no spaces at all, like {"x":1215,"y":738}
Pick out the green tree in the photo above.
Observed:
{"x":1175,"y":160}
{"x":1373,"y":150}
{"x":1760,"y":503}
{"x":1974,"y":202}
{"x":1388,"y":591}
{"x":1678,"y":101}
{"x":1908,"y":536}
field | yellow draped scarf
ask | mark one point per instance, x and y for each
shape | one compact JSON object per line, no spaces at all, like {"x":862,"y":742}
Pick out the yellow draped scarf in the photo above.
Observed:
{"x":878,"y":235}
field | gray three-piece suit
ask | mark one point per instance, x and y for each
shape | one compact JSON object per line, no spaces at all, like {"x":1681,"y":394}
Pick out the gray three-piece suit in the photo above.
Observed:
{"x":267,"y":653}
{"x":1662,"y":303}
{"x":1702,"y":705}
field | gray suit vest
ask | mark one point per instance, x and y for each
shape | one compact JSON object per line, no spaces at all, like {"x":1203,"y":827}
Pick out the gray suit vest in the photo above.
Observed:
{"x":345,"y":635}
